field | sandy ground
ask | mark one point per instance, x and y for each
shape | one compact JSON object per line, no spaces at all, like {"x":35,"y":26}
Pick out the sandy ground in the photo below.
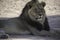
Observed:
{"x":13,"y":8}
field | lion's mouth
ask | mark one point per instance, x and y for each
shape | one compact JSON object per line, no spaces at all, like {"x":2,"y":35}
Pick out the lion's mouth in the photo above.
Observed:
{"x":39,"y":17}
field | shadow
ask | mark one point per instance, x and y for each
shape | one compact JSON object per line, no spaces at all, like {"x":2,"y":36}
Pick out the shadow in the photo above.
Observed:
{"x":54,"y":21}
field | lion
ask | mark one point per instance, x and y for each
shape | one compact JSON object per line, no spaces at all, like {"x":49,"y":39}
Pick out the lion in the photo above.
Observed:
{"x":33,"y":19}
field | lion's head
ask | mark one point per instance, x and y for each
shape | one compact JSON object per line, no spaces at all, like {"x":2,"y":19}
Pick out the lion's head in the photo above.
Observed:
{"x":37,"y":12}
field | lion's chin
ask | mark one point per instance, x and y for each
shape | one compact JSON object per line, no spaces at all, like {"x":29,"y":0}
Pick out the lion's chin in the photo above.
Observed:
{"x":40,"y":21}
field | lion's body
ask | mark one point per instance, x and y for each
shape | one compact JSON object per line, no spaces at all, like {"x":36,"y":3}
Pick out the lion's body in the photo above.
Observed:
{"x":32,"y":19}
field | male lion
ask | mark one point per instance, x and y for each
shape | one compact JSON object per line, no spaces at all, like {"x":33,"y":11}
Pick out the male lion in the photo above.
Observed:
{"x":33,"y":19}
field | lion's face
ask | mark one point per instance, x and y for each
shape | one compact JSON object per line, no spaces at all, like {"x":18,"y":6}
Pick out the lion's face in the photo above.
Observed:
{"x":37,"y":13}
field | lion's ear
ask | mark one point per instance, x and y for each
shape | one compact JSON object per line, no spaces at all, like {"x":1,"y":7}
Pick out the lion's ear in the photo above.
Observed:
{"x":43,"y":4}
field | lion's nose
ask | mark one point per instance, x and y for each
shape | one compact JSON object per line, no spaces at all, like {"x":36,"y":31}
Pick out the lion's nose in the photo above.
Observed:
{"x":39,"y":17}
